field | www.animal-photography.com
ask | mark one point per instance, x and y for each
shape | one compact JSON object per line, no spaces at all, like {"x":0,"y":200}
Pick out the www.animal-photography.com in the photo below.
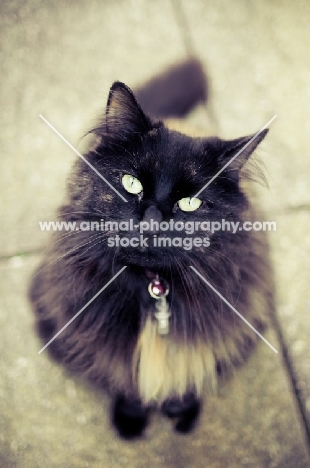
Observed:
{"x":155,"y":243}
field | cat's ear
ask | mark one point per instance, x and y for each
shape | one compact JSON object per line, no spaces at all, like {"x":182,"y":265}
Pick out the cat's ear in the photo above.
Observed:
{"x":235,"y":153}
{"x":238,"y":151}
{"x":124,"y":117}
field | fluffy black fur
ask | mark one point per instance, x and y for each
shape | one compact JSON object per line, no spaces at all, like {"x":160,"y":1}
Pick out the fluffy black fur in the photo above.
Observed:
{"x":130,"y":417}
{"x":101,"y":342}
{"x":175,"y":92}
{"x":186,"y":409}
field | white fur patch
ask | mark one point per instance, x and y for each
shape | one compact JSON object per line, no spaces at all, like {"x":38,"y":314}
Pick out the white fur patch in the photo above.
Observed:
{"x":164,"y":368}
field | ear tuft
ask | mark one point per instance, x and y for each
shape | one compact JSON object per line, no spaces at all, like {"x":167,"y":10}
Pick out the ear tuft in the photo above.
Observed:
{"x":238,"y":151}
{"x":124,"y":117}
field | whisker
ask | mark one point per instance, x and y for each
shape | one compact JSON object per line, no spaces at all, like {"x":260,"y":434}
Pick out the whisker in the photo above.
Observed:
{"x":67,"y":253}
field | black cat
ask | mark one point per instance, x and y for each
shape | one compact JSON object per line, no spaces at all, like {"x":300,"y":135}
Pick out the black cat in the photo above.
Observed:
{"x":117,"y":341}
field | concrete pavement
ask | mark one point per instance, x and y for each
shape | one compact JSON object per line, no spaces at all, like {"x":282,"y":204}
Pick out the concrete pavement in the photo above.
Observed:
{"x":59,"y":60}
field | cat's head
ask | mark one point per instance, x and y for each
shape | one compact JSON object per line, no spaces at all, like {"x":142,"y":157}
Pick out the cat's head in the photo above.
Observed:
{"x":159,"y":173}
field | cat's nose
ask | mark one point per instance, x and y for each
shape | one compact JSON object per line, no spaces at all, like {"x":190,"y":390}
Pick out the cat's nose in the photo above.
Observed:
{"x":153,"y":217}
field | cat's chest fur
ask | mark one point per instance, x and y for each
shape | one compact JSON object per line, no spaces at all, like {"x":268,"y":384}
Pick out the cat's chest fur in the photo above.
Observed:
{"x":163,"y":367}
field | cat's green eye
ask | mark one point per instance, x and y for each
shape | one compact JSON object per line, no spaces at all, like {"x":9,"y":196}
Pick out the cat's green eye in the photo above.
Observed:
{"x":189,"y":204}
{"x":132,"y":184}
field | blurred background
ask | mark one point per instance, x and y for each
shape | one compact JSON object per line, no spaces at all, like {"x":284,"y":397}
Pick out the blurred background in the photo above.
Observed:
{"x":59,"y":59}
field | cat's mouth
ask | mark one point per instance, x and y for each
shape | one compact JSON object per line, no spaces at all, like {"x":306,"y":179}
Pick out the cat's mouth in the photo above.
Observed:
{"x":146,"y":256}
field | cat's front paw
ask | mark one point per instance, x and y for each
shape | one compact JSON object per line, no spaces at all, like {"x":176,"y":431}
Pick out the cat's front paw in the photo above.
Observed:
{"x":130,"y":418}
{"x":185,"y":410}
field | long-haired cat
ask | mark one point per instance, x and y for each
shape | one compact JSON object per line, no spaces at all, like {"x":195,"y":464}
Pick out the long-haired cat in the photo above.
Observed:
{"x":118,"y":341}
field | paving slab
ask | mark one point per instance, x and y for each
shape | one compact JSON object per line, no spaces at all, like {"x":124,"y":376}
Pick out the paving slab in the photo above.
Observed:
{"x":59,"y":59}
{"x":258,"y":61}
{"x":291,"y":254}
{"x":49,"y":419}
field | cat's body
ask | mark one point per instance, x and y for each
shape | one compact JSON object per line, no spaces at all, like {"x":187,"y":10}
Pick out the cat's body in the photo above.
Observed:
{"x":115,"y":342}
